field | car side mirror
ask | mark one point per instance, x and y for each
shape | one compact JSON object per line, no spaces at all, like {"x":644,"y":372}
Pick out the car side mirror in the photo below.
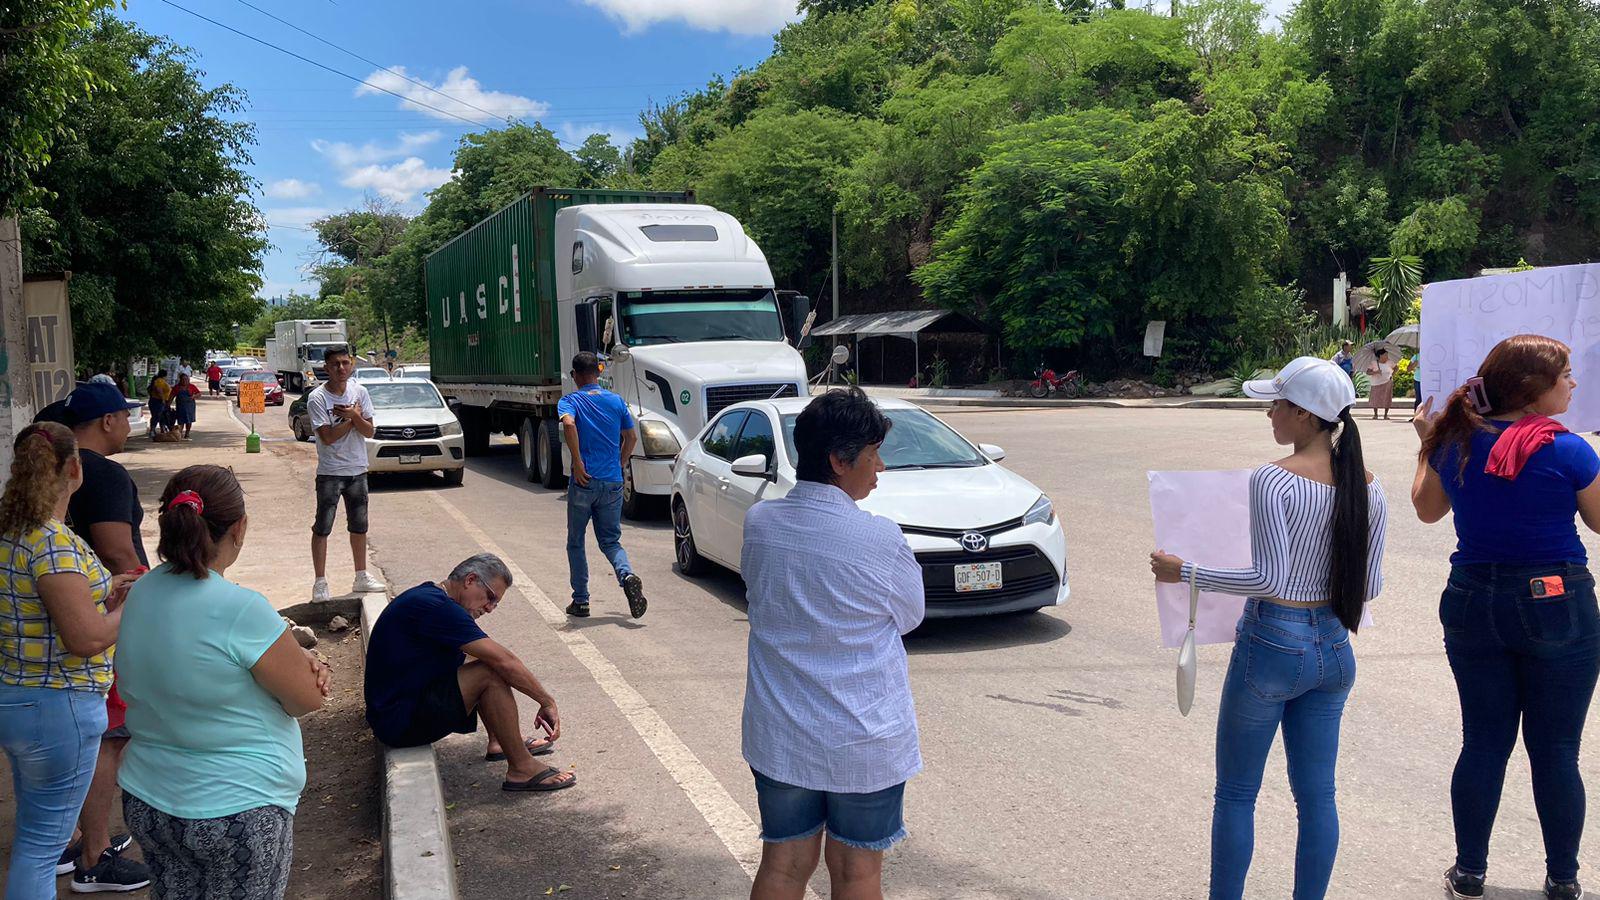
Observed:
{"x":753,"y":466}
{"x":992,"y":451}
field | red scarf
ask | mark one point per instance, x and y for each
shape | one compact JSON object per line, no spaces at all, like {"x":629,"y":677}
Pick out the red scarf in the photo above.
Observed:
{"x":1518,"y":442}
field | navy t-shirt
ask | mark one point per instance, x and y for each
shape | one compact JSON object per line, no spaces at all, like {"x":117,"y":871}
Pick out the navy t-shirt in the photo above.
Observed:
{"x":108,"y":494}
{"x":1527,"y":521}
{"x":601,"y":417}
{"x":416,"y":641}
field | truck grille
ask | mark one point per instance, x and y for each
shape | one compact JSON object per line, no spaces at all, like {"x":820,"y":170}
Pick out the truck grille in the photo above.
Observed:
{"x":1024,"y":570}
{"x":723,"y":396}
{"x":417,"y":432}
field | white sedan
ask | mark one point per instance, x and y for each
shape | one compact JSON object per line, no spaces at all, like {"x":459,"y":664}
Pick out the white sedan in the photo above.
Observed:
{"x":989,"y":541}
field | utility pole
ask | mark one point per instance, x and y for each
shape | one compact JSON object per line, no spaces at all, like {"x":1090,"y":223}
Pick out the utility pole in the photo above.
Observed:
{"x":16,"y":388}
{"x":835,"y":262}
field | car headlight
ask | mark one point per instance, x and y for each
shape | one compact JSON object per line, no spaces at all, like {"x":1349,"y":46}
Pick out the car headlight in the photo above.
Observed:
{"x":450,"y":428}
{"x":1041,"y":513}
{"x":657,"y":438}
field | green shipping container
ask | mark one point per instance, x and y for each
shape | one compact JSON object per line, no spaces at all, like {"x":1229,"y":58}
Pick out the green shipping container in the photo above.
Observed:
{"x":492,"y":291}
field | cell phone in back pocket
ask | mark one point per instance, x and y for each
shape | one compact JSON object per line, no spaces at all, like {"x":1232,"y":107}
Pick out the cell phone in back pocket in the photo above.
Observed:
{"x":1548,"y":586}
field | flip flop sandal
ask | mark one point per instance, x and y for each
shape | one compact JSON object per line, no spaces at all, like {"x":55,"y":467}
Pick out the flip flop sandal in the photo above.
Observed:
{"x":535,"y":784}
{"x":542,"y":751}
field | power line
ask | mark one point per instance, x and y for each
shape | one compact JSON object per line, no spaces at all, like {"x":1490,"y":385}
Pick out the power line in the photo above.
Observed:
{"x":369,"y":62}
{"x":322,"y":66}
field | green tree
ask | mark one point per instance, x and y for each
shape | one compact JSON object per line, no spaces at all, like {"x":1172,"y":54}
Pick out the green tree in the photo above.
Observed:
{"x":1397,"y":281}
{"x":43,"y":74}
{"x":147,"y":203}
{"x":601,"y":160}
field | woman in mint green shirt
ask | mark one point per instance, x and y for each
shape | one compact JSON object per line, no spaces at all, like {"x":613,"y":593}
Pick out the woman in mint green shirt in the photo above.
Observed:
{"x":214,"y":682}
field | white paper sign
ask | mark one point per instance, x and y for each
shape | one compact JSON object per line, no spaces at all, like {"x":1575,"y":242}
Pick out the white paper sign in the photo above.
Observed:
{"x":1463,"y":320}
{"x":1205,"y":517}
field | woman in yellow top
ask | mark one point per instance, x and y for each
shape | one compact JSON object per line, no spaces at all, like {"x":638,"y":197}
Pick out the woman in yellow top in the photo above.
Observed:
{"x":59,"y":614}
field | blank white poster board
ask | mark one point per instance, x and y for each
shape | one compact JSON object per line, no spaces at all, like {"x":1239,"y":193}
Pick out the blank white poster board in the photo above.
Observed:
{"x":1204,"y":517}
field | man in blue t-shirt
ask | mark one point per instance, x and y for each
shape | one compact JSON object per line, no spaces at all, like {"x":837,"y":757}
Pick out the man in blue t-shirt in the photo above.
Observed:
{"x":420,"y":687}
{"x":600,"y":435}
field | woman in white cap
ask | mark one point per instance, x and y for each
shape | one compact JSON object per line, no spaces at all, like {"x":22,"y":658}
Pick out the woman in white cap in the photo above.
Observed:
{"x":1317,"y":520}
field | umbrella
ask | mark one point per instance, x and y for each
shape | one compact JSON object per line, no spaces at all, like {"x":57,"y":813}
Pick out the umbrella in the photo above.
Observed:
{"x":1406,"y":336}
{"x":1368,"y":354}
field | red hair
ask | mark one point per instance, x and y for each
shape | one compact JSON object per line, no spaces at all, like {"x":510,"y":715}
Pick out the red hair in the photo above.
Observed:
{"x":1516,"y":373}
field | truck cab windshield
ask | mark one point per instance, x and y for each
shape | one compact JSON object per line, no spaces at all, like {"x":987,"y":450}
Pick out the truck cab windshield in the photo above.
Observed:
{"x":671,"y":317}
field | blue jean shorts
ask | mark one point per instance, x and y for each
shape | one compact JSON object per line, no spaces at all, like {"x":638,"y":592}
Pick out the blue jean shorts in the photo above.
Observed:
{"x":865,"y":821}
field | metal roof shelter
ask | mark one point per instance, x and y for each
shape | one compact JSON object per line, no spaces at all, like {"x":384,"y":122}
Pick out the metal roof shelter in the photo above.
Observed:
{"x":908,"y":324}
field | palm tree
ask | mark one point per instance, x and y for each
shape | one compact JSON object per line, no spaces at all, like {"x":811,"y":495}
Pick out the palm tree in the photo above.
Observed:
{"x":1396,"y":281}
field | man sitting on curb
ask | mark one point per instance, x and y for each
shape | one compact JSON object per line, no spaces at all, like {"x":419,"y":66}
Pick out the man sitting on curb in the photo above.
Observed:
{"x":420,"y":688}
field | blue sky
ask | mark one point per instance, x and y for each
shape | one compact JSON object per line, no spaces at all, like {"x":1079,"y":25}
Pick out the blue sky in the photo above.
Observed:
{"x":325,"y":142}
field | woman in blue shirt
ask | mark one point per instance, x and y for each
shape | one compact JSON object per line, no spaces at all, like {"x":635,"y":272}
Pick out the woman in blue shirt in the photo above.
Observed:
{"x":214,"y":682}
{"x":1521,"y":627}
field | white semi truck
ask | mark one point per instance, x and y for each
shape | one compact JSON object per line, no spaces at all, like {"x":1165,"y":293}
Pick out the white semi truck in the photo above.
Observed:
{"x":298,"y":346}
{"x":676,"y":299}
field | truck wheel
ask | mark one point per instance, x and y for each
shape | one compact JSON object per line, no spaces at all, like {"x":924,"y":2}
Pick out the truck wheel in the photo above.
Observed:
{"x":455,"y":477}
{"x":528,"y":440}
{"x":637,"y":506}
{"x":550,"y":473}
{"x":475,"y":430}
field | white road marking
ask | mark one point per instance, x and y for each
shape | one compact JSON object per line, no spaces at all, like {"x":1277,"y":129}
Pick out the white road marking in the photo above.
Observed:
{"x":725,"y":816}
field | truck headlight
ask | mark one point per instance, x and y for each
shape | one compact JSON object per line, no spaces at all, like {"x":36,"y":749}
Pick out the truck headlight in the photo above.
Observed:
{"x":450,"y":428}
{"x":657,"y":439}
{"x":1041,"y":513}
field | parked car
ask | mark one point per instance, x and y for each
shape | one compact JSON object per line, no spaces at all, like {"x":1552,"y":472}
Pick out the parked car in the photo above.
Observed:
{"x":989,"y":541}
{"x":231,"y":376}
{"x":274,"y":390}
{"x":370,"y":373}
{"x":413,"y":429}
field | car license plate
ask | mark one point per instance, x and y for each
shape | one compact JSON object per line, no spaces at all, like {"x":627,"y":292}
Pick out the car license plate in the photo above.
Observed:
{"x":978,"y":577}
{"x":410,"y":459}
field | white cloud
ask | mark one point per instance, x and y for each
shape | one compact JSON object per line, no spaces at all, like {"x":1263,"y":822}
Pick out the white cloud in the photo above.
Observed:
{"x":464,"y":96}
{"x":349,"y":156}
{"x":294,"y":217}
{"x":292,"y":189}
{"x":737,"y":16}
{"x":399,"y":182}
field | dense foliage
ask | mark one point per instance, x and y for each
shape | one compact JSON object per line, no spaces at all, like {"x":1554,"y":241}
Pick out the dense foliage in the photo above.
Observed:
{"x":146,"y":202}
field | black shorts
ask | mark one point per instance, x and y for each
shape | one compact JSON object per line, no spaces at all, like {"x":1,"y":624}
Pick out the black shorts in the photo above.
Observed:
{"x":438,"y":711}
{"x":353,"y":488}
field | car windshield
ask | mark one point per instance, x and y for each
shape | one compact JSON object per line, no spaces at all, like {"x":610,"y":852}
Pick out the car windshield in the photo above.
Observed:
{"x":234,"y":371}
{"x":917,"y":441}
{"x":405,"y":396}
{"x":264,"y":377}
{"x":371,"y":372}
{"x":672,"y":317}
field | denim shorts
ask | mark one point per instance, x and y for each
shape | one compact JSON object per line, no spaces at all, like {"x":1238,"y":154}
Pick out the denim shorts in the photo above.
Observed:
{"x":353,"y":488}
{"x":866,"y":821}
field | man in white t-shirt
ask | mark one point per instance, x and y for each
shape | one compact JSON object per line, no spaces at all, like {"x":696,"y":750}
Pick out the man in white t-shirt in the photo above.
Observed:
{"x":341,"y":414}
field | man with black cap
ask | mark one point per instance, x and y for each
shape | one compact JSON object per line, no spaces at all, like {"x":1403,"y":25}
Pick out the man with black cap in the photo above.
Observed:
{"x":105,"y":511}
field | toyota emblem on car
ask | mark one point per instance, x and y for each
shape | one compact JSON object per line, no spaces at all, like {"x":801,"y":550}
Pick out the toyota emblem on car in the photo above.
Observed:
{"x":974,"y":542}
{"x":408,"y":433}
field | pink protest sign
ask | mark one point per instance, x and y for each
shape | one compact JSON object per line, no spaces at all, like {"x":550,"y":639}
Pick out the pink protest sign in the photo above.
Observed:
{"x":1201,"y":516}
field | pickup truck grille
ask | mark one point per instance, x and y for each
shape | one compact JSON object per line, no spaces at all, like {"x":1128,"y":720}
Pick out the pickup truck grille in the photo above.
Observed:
{"x":723,"y":396}
{"x":418,"y":432}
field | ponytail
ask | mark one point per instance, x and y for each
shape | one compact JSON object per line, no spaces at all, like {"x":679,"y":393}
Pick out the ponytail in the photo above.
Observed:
{"x":1347,"y":582}
{"x":38,"y":476}
{"x":198,"y":506}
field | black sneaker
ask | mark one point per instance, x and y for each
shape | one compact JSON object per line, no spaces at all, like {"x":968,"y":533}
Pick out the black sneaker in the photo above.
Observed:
{"x":581,"y":610}
{"x":114,"y":873}
{"x":1463,"y":886}
{"x":634,"y":588}
{"x":69,"y":856}
{"x":1562,"y":890}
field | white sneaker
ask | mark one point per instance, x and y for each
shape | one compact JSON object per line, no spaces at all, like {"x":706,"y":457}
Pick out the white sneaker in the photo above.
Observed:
{"x":366,"y":583}
{"x":319,"y":591}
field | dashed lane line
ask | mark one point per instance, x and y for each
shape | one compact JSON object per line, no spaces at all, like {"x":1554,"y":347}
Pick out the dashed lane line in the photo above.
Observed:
{"x":726,"y":817}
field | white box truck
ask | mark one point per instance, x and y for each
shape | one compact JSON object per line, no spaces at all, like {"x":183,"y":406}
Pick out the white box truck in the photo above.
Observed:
{"x":298,"y":346}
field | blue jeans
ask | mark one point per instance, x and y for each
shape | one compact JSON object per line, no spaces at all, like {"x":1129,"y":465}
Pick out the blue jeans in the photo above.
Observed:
{"x":53,"y":738}
{"x":600,"y":501}
{"x":1520,"y":659}
{"x":1293,"y":666}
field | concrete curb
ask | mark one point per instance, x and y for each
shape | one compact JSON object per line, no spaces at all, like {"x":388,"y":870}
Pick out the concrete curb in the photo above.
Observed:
{"x":418,"y":861}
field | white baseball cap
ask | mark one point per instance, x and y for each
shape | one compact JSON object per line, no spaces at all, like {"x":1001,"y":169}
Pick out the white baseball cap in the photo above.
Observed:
{"x":1315,"y":385}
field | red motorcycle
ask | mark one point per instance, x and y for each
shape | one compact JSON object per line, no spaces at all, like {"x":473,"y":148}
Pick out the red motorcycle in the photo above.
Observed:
{"x":1046,"y":382}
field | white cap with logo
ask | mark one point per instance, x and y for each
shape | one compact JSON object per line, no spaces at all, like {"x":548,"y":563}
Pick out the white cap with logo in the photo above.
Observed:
{"x":1315,"y":385}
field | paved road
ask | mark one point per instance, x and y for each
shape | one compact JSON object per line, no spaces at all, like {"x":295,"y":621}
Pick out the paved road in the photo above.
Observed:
{"x":1057,"y":765}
